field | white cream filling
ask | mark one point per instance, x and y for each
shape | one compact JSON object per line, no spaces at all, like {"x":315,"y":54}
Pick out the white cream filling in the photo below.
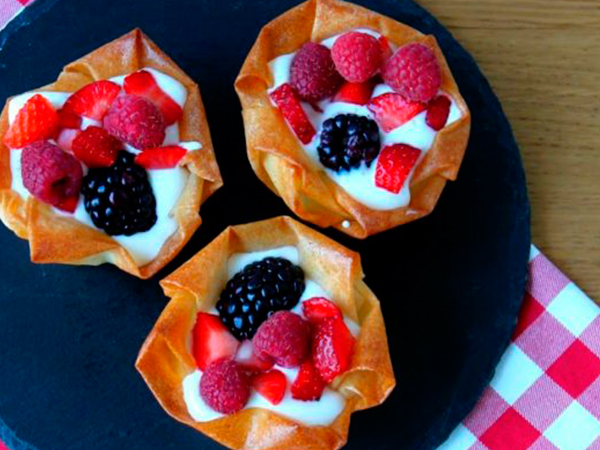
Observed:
{"x":167,"y":184}
{"x":319,"y":412}
{"x":359,"y":183}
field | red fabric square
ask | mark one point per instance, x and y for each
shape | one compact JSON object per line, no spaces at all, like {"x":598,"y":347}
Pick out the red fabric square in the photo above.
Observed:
{"x":510,"y":432}
{"x":542,"y":403}
{"x":545,"y":340}
{"x":590,"y":399}
{"x":488,"y":409}
{"x":3,"y":446}
{"x":545,"y":280}
{"x":591,"y":336}
{"x":25,"y":3}
{"x":576,"y":369}
{"x":530,"y":310}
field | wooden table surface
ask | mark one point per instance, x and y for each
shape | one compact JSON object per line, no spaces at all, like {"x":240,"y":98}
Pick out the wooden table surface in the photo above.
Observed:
{"x":542,"y":58}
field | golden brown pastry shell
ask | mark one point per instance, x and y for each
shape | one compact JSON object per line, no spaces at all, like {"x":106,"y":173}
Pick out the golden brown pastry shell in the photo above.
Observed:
{"x":277,"y":156}
{"x":59,"y":239}
{"x":165,"y":358}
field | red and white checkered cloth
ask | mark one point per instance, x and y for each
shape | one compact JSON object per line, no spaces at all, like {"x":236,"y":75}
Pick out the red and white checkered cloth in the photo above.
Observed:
{"x":546,"y":391}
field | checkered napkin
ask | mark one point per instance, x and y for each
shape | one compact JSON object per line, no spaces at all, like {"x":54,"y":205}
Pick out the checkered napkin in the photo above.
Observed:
{"x":546,"y":391}
{"x":545,"y":394}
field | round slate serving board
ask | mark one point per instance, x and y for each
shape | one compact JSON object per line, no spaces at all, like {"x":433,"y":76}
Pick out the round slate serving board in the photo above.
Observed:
{"x":450,"y":284}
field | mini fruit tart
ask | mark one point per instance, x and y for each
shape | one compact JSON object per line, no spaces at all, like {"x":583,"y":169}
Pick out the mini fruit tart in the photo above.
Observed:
{"x":352,"y":118}
{"x":271,"y":340}
{"x":110,"y":163}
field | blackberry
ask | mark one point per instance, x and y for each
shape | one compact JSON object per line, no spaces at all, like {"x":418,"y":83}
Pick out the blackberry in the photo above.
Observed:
{"x":256,"y":292}
{"x":347,"y":140}
{"x":119,"y":198}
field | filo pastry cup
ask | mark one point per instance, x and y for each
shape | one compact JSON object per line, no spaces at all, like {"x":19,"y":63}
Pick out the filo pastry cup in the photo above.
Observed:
{"x":279,"y":160}
{"x":166,"y":358}
{"x":55,"y":238}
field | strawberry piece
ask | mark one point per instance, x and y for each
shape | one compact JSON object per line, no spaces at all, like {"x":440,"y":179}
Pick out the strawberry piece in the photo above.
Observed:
{"x":386,"y":50}
{"x":357,"y":56}
{"x":394,"y":164}
{"x":248,"y":361}
{"x":319,"y":308}
{"x":66,"y":137}
{"x":143,"y":84}
{"x":36,"y":121}
{"x":211,"y":340}
{"x":165,"y":157}
{"x":437,"y":112}
{"x":68,"y":119}
{"x":393,"y":110}
{"x":95,"y":147}
{"x":68,"y":204}
{"x":224,"y":386}
{"x":308,"y":385}
{"x":271,"y":385}
{"x":357,"y":93}
{"x":288,"y":102}
{"x":332,"y":349}
{"x":414,"y":72}
{"x":93,"y":100}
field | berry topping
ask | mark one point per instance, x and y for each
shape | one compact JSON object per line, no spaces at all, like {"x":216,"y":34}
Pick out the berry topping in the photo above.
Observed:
{"x":161,"y":157}
{"x":347,"y":140}
{"x":332,"y":348}
{"x":386,"y":50}
{"x":93,"y":100}
{"x":68,"y":119}
{"x":119,"y":198}
{"x":142,"y":83}
{"x":393,"y":110}
{"x":357,"y":93}
{"x":271,"y":385}
{"x":258,"y":290}
{"x":224,"y":386}
{"x":313,"y":73}
{"x":319,"y":308}
{"x":66,"y":137}
{"x":211,"y":340}
{"x":95,"y":147}
{"x":414,"y":72}
{"x":394,"y":165}
{"x":69,"y":204}
{"x":248,"y":361}
{"x":36,"y":121}
{"x":357,"y":56}
{"x":136,"y":121}
{"x":308,"y":385}
{"x":50,"y":174}
{"x":437,"y":112}
{"x":286,"y":99}
{"x":283,"y":338}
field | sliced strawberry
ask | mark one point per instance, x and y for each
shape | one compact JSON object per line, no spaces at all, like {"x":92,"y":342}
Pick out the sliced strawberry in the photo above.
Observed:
{"x":394,"y":164}
{"x":66,"y":137}
{"x":318,"y":308}
{"x":357,"y":93}
{"x":68,"y":119}
{"x":308,"y":385}
{"x":161,"y":157}
{"x":246,"y":358}
{"x":143,"y":84}
{"x":333,"y":345}
{"x":386,"y":50}
{"x":69,"y":204}
{"x":288,"y":102}
{"x":93,"y":100}
{"x":393,"y":110}
{"x":211,"y":340}
{"x":437,"y":112}
{"x":36,"y":121}
{"x":95,"y":147}
{"x":271,"y":385}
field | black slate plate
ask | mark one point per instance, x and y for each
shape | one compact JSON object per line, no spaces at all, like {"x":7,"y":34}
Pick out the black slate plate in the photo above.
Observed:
{"x":450,"y":284}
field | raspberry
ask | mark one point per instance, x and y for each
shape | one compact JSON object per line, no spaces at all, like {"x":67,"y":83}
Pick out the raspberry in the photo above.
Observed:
{"x":224,"y":386}
{"x":49,"y":173}
{"x":283,"y":338}
{"x":136,"y":121}
{"x":414,"y":72}
{"x":313,"y":73}
{"x":357,"y":56}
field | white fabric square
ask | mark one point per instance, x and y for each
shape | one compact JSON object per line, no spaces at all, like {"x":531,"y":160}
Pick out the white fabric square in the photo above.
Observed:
{"x":573,"y":309}
{"x":515,"y":373}
{"x":575,"y":429}
{"x":460,"y":439}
